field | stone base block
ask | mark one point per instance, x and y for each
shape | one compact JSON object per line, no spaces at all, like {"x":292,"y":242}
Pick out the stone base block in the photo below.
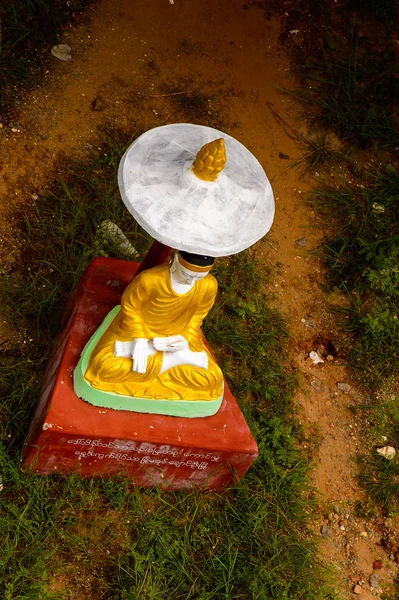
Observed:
{"x":69,"y":435}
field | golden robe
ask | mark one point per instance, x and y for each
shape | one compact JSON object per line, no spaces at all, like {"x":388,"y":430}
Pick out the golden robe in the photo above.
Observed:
{"x":151,"y":308}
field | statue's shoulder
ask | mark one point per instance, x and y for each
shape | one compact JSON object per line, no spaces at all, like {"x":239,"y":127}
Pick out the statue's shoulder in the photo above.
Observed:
{"x":153,"y":276}
{"x":211,"y":282}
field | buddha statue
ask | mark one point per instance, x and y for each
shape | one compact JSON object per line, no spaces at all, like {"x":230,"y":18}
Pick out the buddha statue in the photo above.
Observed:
{"x":193,"y":188}
{"x":154,"y":347}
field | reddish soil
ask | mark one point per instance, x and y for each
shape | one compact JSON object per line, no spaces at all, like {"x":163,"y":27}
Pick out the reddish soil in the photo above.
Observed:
{"x":142,"y":64}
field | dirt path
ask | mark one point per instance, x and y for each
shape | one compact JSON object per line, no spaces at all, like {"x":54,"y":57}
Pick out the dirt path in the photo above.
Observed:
{"x":142,"y":64}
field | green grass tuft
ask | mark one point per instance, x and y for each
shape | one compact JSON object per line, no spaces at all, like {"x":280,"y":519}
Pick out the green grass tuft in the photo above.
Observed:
{"x":352,"y":92}
{"x":380,"y":479}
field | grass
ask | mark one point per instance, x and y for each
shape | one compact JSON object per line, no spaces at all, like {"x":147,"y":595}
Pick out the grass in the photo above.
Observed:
{"x":62,"y":233}
{"x":377,"y":475}
{"x":350,"y":93}
{"x":363,"y":262}
{"x":65,"y":537}
{"x":381,"y":481}
{"x":354,"y":95}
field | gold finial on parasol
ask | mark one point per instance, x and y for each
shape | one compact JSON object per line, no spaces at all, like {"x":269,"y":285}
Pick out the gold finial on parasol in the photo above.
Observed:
{"x":210,"y":160}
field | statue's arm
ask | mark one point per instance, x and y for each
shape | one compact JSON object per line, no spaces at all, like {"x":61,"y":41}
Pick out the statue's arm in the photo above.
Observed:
{"x":131,"y":324}
{"x":192,"y":332}
{"x":131,"y":340}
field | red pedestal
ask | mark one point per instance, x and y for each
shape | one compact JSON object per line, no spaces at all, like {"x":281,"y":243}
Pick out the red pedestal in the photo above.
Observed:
{"x":69,"y":435}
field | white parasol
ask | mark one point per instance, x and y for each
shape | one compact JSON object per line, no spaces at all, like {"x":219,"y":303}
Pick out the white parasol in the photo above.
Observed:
{"x":165,"y":196}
